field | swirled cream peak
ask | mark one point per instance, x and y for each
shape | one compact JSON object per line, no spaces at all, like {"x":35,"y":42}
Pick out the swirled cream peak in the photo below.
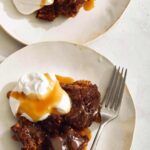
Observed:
{"x":27,"y":7}
{"x":36,"y":96}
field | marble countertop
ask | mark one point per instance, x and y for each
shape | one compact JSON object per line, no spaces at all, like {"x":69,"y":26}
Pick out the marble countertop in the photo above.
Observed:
{"x":127,"y":44}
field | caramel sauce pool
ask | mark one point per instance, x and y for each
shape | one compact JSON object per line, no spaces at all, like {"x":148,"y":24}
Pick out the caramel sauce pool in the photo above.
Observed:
{"x":89,"y":4}
{"x":36,"y":108}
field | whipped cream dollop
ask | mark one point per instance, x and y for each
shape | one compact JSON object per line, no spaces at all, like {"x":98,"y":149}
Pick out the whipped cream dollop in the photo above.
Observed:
{"x":27,"y":7}
{"x":36,"y":95}
{"x":35,"y":83}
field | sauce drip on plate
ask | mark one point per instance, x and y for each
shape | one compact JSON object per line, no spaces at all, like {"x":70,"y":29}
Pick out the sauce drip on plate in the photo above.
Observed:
{"x":89,"y":5}
{"x":86,"y":132}
{"x":43,"y":2}
{"x":62,"y":79}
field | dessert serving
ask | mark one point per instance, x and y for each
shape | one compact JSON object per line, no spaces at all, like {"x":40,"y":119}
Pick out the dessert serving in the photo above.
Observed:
{"x":50,"y":9}
{"x":53,"y":112}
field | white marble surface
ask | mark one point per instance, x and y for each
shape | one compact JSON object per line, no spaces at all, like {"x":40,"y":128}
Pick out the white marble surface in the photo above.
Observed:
{"x":127,"y":44}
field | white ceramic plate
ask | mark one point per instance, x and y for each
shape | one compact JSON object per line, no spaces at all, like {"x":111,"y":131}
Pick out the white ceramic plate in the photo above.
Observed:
{"x":84,"y":27}
{"x":68,"y":60}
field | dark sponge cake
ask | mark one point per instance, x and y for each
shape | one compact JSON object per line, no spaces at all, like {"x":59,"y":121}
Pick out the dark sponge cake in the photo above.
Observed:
{"x":68,"y":8}
{"x":34,"y":137}
{"x":59,"y":132}
{"x":85,"y":104}
{"x":29,"y":134}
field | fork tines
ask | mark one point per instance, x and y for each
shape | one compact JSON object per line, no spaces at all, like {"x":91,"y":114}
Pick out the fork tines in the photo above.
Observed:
{"x":115,"y":89}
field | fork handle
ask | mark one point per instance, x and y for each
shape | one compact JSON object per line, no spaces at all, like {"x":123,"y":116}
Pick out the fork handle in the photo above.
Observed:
{"x":96,"y":139}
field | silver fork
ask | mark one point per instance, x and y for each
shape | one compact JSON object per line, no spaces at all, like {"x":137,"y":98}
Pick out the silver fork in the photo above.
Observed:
{"x":112,"y":101}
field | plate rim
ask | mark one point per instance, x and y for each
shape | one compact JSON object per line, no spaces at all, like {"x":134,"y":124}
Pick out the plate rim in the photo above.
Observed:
{"x":84,"y":49}
{"x":89,"y":41}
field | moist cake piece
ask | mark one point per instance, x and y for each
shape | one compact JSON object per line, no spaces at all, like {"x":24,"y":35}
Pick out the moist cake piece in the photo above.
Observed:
{"x":62,"y":131}
{"x":34,"y":137}
{"x":29,"y":134}
{"x":85,"y":104}
{"x":68,"y":8}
